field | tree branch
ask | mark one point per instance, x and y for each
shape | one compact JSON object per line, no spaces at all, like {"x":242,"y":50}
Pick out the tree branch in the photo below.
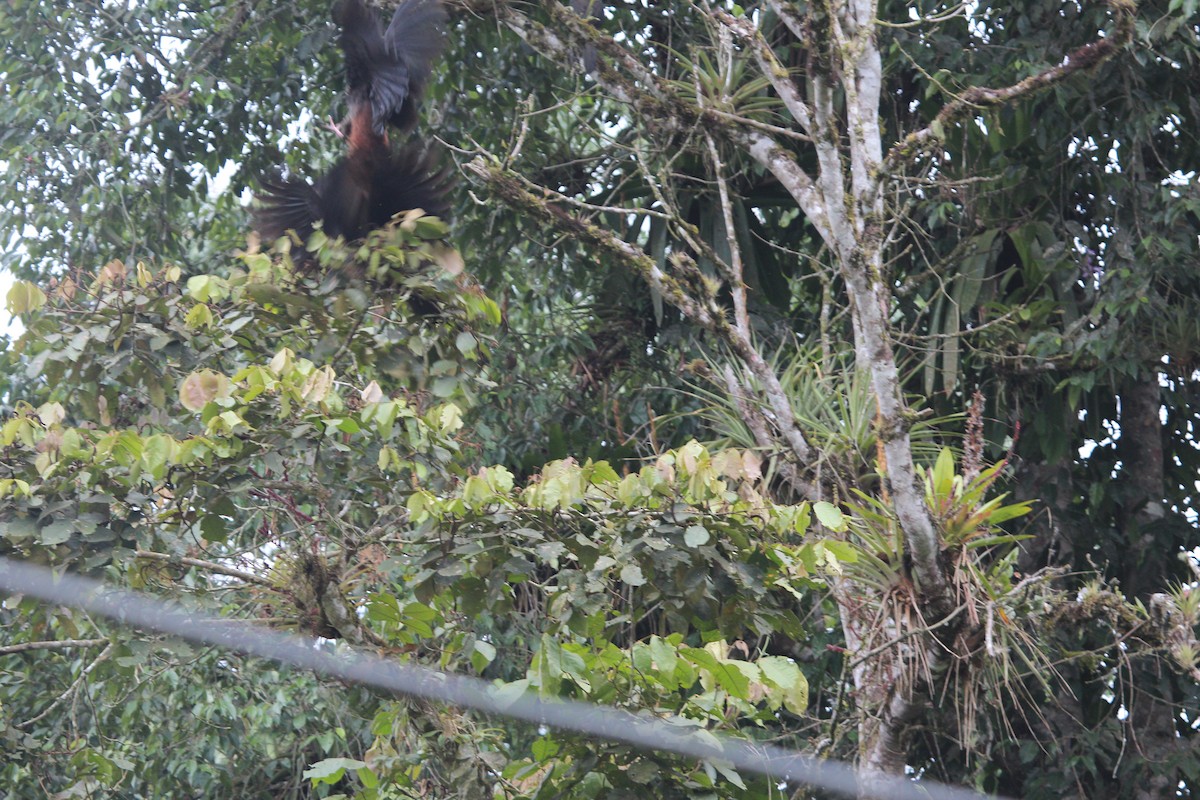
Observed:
{"x":756,"y":421}
{"x":210,"y":566}
{"x":53,"y":644}
{"x":774,"y":71}
{"x":702,"y":310}
{"x":978,"y":98}
{"x":74,"y":687}
{"x":651,"y":97}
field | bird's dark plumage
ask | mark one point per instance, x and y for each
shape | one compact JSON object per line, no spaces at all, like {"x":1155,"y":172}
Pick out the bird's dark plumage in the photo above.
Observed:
{"x":360,"y":193}
{"x":386,"y":70}
{"x":386,"y":73}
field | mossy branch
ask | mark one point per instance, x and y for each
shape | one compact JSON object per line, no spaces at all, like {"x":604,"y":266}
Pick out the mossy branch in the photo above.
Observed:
{"x":980,"y":98}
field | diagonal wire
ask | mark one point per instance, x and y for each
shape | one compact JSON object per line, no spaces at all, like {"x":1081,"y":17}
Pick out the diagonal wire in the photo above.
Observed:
{"x":643,"y":731}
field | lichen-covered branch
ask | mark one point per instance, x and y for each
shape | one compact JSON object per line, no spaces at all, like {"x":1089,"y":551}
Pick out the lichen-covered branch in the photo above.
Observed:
{"x":758,"y":425}
{"x":209,"y":566}
{"x":654,"y":99}
{"x":979,"y":98}
{"x":774,"y":71}
{"x":52,"y":644}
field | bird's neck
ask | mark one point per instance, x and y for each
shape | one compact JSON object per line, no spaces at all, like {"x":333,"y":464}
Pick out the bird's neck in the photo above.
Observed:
{"x":362,"y":134}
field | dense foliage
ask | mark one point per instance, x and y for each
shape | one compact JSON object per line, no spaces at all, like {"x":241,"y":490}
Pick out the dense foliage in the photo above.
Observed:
{"x":628,"y":431}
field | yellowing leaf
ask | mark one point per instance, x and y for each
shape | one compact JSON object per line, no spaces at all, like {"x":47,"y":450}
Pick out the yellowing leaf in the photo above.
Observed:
{"x":24,"y":297}
{"x":282,"y":361}
{"x":51,"y":413}
{"x":330,"y":770}
{"x":227,"y":423}
{"x":450,"y":418}
{"x":44,"y":463}
{"x":112,"y":272}
{"x":319,"y":385}
{"x":199,"y":317}
{"x":498,"y":478}
{"x":371,"y":393}
{"x":751,"y":465}
{"x":202,"y":387}
{"x":207,"y":288}
{"x":449,"y":259}
{"x":690,"y":456}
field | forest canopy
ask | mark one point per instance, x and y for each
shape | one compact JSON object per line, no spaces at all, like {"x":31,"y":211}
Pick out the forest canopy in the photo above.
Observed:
{"x":817,"y":374}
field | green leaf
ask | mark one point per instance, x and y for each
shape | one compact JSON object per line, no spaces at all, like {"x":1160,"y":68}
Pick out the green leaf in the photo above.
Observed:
{"x":508,"y":693}
{"x":729,"y":773}
{"x":57,"y":533}
{"x":830,"y":516}
{"x":601,"y":473}
{"x":330,"y":770}
{"x":18,"y":529}
{"x":482,"y":654}
{"x":632,"y":575}
{"x":695,"y":536}
{"x":665,"y":658}
{"x":543,"y":749}
{"x":943,"y":473}
{"x":207,"y":288}
{"x":200,"y":316}
{"x":466,"y":343}
{"x":213,"y":529}
{"x":547,"y":665}
{"x":842,"y":551}
{"x":445,"y":386}
{"x":785,"y":675}
{"x":726,"y":673}
{"x":156,"y":451}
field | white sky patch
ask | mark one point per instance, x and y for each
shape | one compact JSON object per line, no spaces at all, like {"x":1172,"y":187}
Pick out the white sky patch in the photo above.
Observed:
{"x":220,"y":181}
{"x":9,"y":325}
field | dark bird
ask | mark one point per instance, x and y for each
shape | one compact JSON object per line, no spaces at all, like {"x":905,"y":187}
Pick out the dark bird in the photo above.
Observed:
{"x":360,"y":193}
{"x":386,"y":73}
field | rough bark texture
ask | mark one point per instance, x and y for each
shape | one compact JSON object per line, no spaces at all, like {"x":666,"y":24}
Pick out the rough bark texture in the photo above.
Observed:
{"x":1151,"y":723}
{"x":1141,"y":448}
{"x":1054,"y":522}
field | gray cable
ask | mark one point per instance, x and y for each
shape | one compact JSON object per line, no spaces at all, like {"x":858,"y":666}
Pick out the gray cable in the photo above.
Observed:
{"x":645,"y":732}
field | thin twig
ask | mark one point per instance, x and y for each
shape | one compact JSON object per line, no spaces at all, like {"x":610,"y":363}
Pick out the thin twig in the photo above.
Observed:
{"x":74,"y":687}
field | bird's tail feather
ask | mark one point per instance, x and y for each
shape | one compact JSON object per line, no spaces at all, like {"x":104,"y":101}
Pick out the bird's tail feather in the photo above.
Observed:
{"x":360,"y":193}
{"x":411,"y":178}
{"x":286,"y":204}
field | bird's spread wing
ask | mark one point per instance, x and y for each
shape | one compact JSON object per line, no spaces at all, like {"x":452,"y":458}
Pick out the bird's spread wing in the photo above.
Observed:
{"x":410,"y":178}
{"x":417,"y":35}
{"x":385,"y":74}
{"x":387,"y":69}
{"x":286,"y":204}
